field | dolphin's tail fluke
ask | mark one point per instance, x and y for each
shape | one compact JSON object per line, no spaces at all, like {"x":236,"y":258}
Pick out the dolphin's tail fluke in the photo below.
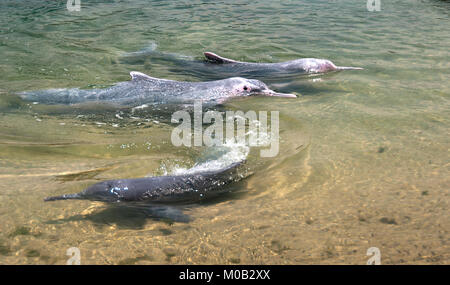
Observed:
{"x":348,"y":68}
{"x":63,"y":197}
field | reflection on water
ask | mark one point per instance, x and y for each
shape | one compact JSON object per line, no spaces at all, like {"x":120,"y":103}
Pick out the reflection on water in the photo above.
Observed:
{"x":363,"y":156}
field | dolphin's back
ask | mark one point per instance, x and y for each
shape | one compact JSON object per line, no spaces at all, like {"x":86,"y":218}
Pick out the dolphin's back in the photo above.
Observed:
{"x":179,"y":188}
{"x":142,"y":89}
{"x":123,"y":93}
{"x":249,"y":69}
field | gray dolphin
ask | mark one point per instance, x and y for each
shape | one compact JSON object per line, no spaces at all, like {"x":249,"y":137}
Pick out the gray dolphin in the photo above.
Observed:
{"x":143,"y":89}
{"x":188,"y":65}
{"x":298,"y":66}
{"x":160,"y":189}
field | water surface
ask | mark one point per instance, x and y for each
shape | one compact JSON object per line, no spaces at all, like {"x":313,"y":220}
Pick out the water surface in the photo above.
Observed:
{"x":364,"y":155}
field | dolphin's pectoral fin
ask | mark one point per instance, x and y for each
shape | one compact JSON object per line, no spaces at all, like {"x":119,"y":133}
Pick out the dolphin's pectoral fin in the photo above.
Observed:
{"x":217,"y":59}
{"x":168,"y":213}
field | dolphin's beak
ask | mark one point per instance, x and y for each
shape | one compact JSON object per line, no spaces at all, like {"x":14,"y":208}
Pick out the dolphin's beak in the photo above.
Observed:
{"x":273,"y":93}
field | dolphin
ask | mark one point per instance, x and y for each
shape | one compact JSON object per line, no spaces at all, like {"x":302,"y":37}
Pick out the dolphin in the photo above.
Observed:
{"x":161,"y":194}
{"x":161,"y":189}
{"x":298,"y":66}
{"x":225,"y":67}
{"x":144,"y":89}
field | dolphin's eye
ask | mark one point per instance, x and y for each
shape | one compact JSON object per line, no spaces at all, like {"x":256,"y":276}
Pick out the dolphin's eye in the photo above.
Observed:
{"x":245,"y":88}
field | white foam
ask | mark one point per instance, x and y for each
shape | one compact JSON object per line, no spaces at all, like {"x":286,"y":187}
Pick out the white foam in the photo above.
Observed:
{"x":234,"y":153}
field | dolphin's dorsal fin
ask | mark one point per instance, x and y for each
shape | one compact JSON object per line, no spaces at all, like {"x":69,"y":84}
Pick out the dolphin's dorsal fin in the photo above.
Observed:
{"x":218,"y":59}
{"x":135,"y":75}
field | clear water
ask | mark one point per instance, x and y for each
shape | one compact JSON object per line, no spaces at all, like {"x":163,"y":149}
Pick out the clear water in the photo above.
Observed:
{"x":364,"y":156}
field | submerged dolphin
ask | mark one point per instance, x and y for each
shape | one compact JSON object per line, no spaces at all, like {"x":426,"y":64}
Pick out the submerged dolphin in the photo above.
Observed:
{"x":160,"y":189}
{"x":143,"y":89}
{"x":191,"y":66}
{"x":298,"y":66}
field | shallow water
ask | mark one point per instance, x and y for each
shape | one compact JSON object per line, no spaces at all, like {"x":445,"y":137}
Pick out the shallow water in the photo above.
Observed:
{"x":364,"y":155}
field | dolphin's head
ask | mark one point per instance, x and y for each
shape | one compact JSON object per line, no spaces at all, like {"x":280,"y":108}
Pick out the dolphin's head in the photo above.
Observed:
{"x":325,"y":65}
{"x":252,"y":87}
{"x":316,"y":65}
{"x":313,"y":65}
{"x":105,"y":191}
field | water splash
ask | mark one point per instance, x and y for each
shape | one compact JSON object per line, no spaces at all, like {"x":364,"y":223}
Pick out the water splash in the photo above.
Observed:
{"x":229,"y":153}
